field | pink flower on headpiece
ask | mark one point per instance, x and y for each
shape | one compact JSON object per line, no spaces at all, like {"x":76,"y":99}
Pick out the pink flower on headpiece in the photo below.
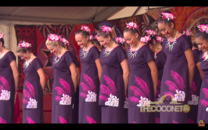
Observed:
{"x":203,"y":28}
{"x":168,"y":16}
{"x":91,"y":37}
{"x":145,"y":39}
{"x":159,"y":39}
{"x":120,"y":40}
{"x":106,"y":29}
{"x":95,"y":37}
{"x":53,"y":37}
{"x":132,"y":25}
{"x":187,"y":32}
{"x":1,"y":35}
{"x":85,"y":28}
{"x":151,"y":32}
{"x":24,"y":44}
{"x":66,"y":42}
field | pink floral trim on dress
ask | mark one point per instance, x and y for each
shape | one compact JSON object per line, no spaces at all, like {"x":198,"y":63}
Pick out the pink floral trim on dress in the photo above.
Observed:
{"x":176,"y":87}
{"x":89,"y":89}
{"x":30,"y":121}
{"x":62,"y":120}
{"x":4,"y":89}
{"x":157,"y":120}
{"x":141,"y":95}
{"x":90,"y":120}
{"x":108,"y":93}
{"x":204,"y":102}
{"x":29,"y":96}
{"x":64,"y":94}
{"x":2,"y":121}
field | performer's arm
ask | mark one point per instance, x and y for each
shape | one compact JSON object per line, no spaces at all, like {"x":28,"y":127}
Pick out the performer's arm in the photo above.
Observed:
{"x":154,"y":74}
{"x":99,"y":67}
{"x":42,"y":78}
{"x":191,"y":64}
{"x":74,"y":75}
{"x":125,"y":67}
{"x":15,"y":73}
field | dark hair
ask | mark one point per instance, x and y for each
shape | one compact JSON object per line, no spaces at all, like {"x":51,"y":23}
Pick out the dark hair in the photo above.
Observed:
{"x":103,"y":34}
{"x":204,"y":35}
{"x":165,"y":20}
{"x":95,"y":42}
{"x":23,"y":50}
{"x":84,"y":33}
{"x":195,"y":45}
{"x":153,"y":37}
{"x":2,"y":40}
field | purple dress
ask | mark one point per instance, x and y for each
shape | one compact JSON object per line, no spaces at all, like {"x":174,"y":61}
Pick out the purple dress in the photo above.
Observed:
{"x":140,"y":86}
{"x":203,"y":98}
{"x":7,"y":88}
{"x":175,"y":80}
{"x":160,"y":62}
{"x":195,"y":90}
{"x":63,"y":89}
{"x":111,"y":94}
{"x":89,"y":88}
{"x":32,"y":94}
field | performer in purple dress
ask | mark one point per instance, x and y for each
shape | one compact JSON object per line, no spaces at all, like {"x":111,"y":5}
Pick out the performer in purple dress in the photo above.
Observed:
{"x":90,"y":76}
{"x":160,"y":58}
{"x":114,"y":78}
{"x":65,"y":81}
{"x":178,"y":70}
{"x":8,"y":82}
{"x":76,"y":95}
{"x":143,"y":76}
{"x":201,"y":38}
{"x":34,"y":84}
{"x":196,"y":83}
{"x":121,"y":41}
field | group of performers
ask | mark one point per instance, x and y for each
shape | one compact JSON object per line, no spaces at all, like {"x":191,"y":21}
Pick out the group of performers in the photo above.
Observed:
{"x":118,"y":76}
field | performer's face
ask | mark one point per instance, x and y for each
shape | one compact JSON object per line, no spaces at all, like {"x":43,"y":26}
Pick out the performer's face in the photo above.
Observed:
{"x":166,"y":29}
{"x":81,"y":40}
{"x":202,"y":43}
{"x":104,"y":41}
{"x":24,"y":56}
{"x":131,"y":38}
{"x":53,"y":49}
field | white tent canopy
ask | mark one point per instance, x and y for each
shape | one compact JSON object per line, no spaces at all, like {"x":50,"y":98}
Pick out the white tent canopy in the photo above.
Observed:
{"x":70,"y":15}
